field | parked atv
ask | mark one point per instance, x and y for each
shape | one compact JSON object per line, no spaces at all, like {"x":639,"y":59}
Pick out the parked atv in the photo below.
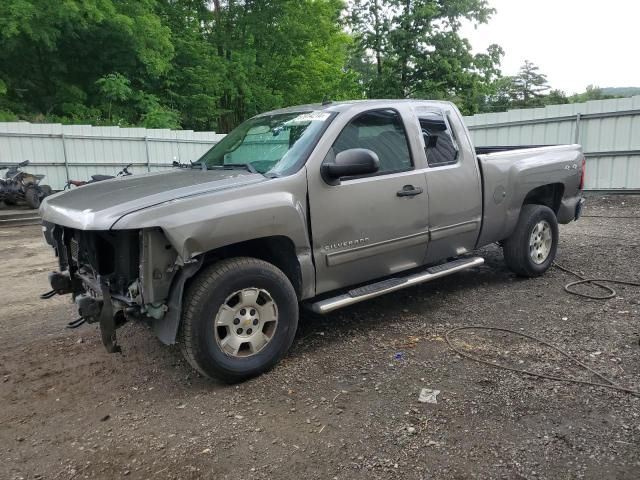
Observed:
{"x":98,"y":178}
{"x":18,"y":186}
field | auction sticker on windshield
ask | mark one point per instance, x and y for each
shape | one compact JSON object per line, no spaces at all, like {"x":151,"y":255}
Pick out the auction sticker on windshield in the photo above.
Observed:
{"x":310,"y":117}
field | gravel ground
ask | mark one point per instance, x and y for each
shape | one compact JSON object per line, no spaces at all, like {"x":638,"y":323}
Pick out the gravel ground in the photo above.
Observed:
{"x":344,"y":403}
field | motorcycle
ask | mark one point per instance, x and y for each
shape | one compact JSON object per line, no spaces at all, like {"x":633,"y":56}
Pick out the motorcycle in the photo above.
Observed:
{"x":98,"y":178}
{"x":18,"y":186}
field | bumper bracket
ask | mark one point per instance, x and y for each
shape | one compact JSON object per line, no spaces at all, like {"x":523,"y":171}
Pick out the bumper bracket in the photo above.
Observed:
{"x":107,"y":321}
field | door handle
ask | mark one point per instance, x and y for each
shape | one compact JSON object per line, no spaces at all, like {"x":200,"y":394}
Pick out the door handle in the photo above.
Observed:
{"x":409,"y":191}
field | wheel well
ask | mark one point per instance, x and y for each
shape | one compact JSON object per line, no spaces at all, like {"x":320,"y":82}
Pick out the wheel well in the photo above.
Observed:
{"x":548,"y":195}
{"x":277,"y":250}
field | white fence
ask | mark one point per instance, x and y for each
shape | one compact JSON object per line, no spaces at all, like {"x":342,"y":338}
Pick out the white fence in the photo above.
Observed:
{"x":609,"y":131}
{"x":78,"y":151}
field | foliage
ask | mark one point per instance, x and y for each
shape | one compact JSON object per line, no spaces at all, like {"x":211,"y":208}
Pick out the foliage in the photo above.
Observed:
{"x":527,"y":90}
{"x":412,"y":48}
{"x":210,"y":64}
{"x":169,"y":63}
{"x":592,"y":93}
{"x":621,"y":91}
{"x":529,"y":86}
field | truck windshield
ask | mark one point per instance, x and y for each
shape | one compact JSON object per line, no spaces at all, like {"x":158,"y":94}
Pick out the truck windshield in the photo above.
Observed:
{"x":271,"y":144}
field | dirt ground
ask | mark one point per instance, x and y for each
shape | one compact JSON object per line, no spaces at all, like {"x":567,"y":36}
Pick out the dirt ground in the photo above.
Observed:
{"x":344,"y":403}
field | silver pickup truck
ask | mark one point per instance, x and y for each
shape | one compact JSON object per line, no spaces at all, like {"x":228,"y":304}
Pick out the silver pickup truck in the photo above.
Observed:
{"x":318,"y":205}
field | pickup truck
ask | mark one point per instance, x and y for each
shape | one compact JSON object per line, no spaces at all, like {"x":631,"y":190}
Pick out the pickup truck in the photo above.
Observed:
{"x":320,"y":206}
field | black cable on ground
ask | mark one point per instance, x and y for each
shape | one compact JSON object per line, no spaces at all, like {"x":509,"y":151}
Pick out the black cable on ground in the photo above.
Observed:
{"x":630,"y":217}
{"x":609,"y":383}
{"x":593,"y":281}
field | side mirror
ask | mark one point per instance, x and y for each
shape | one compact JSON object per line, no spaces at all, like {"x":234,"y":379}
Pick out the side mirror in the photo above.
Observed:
{"x":23,"y":164}
{"x":350,"y":163}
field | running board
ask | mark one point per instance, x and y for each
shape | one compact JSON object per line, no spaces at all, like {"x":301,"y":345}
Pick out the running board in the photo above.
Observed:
{"x":392,"y":284}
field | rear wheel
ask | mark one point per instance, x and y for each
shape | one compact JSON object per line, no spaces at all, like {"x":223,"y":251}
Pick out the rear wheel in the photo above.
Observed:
{"x":10,"y":200}
{"x":46,"y":190}
{"x":32,"y":197}
{"x":239,"y":318}
{"x":532,"y":247}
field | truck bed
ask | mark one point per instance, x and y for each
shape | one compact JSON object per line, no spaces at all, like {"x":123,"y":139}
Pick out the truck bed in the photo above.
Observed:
{"x":509,"y":174}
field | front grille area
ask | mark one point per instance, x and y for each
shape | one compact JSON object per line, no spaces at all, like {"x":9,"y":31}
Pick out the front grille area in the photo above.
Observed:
{"x":112,"y":254}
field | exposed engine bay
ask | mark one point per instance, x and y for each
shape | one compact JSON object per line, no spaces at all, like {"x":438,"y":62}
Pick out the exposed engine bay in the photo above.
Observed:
{"x":114,"y":276}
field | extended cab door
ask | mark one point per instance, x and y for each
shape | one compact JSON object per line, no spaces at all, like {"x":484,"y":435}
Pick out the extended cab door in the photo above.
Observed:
{"x":453,"y":183}
{"x":375,"y":225}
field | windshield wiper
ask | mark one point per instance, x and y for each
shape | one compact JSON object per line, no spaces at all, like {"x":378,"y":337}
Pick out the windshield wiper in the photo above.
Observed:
{"x":200,"y":165}
{"x":236,"y":166}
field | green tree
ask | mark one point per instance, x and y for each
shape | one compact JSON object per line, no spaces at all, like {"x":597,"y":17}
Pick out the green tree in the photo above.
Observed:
{"x":53,"y":55}
{"x":556,"y":97}
{"x":210,"y":64}
{"x":279,"y":53}
{"x":370,"y":24}
{"x":114,"y":87}
{"x":529,"y":86}
{"x":592,"y":92}
{"x":418,"y":52}
{"x":500,"y":96}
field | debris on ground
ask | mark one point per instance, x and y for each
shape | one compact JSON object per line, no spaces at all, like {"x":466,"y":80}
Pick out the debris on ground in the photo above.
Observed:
{"x":428,"y":396}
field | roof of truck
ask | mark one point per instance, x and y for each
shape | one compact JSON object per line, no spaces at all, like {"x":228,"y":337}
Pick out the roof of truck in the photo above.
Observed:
{"x":347,"y":104}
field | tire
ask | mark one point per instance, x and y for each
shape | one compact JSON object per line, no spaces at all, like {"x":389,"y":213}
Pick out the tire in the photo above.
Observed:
{"x":211,"y":299}
{"x":10,"y":200}
{"x":532,"y":247}
{"x":32,"y":197}
{"x":46,"y":190}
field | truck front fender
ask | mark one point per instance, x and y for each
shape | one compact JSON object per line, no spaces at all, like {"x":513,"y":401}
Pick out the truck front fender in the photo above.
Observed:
{"x":203,"y":223}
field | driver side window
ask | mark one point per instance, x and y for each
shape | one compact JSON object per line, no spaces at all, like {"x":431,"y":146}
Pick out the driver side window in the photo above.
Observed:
{"x":382,"y":132}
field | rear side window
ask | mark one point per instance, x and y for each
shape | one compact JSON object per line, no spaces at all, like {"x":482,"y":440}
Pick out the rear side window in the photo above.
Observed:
{"x":382,"y":132}
{"x":441,"y":147}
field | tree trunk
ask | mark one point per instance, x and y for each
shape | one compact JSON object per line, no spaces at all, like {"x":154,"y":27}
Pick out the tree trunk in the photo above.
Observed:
{"x":218,"y":37}
{"x":406,"y":24}
{"x":378,"y":40}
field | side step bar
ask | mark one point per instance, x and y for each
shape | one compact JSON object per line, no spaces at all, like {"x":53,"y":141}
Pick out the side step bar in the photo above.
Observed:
{"x":392,"y":284}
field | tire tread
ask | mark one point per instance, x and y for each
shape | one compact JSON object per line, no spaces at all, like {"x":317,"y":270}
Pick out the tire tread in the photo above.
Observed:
{"x":515,"y":248}
{"x":197,"y":292}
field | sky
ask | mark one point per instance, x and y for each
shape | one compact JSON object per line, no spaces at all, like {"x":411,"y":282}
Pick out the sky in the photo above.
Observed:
{"x":574,"y":42}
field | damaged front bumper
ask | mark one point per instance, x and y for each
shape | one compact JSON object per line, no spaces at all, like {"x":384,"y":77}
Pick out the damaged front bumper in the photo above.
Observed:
{"x":95,"y":303}
{"x":115,"y":276}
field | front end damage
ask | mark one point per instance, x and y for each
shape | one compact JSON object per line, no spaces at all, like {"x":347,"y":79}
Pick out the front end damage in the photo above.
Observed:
{"x":119,"y":275}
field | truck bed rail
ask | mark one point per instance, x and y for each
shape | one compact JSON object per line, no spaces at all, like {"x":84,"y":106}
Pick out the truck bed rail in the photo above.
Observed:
{"x":506,"y":148}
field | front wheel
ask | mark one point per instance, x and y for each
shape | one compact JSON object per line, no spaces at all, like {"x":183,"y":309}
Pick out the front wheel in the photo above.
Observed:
{"x":532,"y":247}
{"x":239,"y":318}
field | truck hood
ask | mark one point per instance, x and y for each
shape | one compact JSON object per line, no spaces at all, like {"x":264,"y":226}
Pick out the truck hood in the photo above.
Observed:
{"x":97,"y":206}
